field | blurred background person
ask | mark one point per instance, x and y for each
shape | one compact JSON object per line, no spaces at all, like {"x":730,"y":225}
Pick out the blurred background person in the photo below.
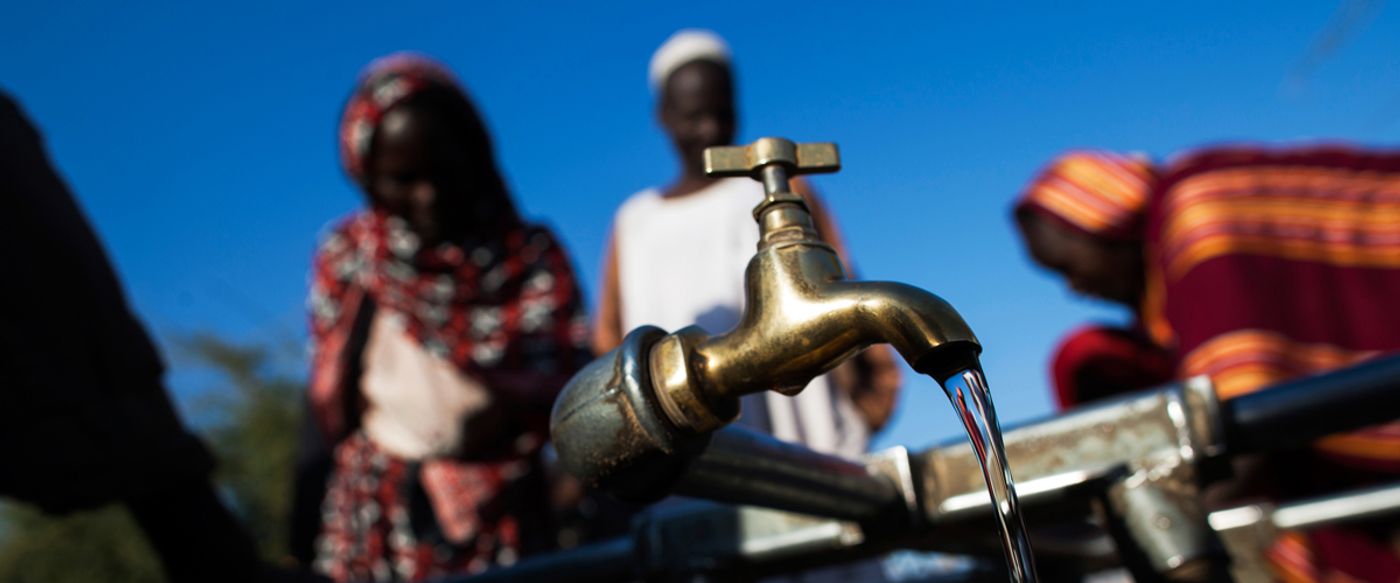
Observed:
{"x":443,"y":325}
{"x":1252,"y":265}
{"x":677,"y":254}
{"x":1082,"y":217}
{"x":84,"y":416}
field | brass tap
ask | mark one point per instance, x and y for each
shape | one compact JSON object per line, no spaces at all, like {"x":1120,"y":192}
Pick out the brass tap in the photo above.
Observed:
{"x":801,"y":319}
{"x":801,"y":316}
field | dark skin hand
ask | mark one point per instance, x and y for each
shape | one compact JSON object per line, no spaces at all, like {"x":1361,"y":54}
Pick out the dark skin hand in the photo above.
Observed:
{"x":697,"y":110}
{"x":420,"y":170}
{"x":1103,"y":269}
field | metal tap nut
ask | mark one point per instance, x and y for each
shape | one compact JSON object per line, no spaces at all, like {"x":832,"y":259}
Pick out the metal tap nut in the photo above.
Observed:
{"x":676,"y":387}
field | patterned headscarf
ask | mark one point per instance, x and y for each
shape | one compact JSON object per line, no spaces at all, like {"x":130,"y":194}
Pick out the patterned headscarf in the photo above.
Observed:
{"x":385,"y":82}
{"x":1099,"y":193}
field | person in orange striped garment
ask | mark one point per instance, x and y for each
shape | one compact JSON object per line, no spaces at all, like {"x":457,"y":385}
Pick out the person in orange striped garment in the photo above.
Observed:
{"x":1252,"y":265}
{"x":1095,"y":241}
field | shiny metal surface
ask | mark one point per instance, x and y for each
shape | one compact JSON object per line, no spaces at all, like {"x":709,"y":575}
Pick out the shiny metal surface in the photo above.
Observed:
{"x":609,"y":431}
{"x":699,"y":541}
{"x":896,"y":465}
{"x":1161,"y":511}
{"x":746,"y":160}
{"x":1203,"y":414}
{"x":1135,"y":431}
{"x":1358,"y":505}
{"x":740,"y":466}
{"x":1249,"y":531}
{"x":1296,"y":412}
{"x":1041,"y":491}
{"x":658,"y":396}
{"x":1150,"y":441}
{"x":801,"y":317}
{"x":1128,"y":465}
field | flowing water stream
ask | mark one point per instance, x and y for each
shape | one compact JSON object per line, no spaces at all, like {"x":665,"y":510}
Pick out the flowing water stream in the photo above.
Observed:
{"x":973,"y":404}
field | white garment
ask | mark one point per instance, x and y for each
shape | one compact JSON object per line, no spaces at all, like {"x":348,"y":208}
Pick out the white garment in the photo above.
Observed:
{"x":681,"y":261}
{"x":416,"y":403}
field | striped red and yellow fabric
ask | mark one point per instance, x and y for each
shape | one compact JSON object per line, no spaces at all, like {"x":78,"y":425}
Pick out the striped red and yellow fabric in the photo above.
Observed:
{"x":1347,"y":217}
{"x":1266,"y":264}
{"x":1242,"y":361}
{"x":1291,"y":559}
{"x":1270,"y":263}
{"x":1098,"y":192}
{"x":1297,"y":557}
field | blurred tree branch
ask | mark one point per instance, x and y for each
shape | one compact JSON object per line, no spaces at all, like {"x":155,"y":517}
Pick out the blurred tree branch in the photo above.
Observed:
{"x":1351,"y":17}
{"x":256,"y":415}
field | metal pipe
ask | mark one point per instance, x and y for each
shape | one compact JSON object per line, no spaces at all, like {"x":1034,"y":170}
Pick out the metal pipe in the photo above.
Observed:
{"x":610,"y":560}
{"x":775,"y":178}
{"x":1248,"y":531}
{"x":1295,"y":413}
{"x":1364,"y":504}
{"x":740,"y":466}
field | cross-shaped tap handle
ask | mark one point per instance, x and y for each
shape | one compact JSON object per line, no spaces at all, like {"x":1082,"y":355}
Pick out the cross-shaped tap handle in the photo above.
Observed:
{"x":772,"y":161}
{"x":751,"y":159}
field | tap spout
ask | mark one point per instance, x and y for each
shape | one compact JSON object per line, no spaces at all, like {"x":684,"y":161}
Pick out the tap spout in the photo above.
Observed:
{"x":802,"y":320}
{"x":808,"y":336}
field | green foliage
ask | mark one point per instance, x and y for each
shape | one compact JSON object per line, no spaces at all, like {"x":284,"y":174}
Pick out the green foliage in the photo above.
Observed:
{"x":255,"y":436}
{"x":102,"y":545}
{"x":255,"y":413}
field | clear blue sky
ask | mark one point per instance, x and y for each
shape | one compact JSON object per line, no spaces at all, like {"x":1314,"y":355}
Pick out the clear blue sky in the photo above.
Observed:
{"x":200,"y":139}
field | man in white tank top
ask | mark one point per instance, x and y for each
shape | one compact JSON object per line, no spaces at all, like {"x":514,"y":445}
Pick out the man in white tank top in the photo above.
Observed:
{"x":677,"y":257}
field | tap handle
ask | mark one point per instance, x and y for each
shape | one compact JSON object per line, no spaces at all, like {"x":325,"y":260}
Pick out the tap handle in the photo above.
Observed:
{"x":750,"y":160}
{"x":773,"y":161}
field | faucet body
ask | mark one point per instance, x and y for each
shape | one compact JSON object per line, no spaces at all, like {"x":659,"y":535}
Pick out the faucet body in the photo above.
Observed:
{"x":666,"y":393}
{"x":801,"y":319}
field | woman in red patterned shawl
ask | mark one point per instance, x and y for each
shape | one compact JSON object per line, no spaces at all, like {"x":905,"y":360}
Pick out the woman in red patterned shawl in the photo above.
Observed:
{"x":1255,"y":265}
{"x":442,"y":325}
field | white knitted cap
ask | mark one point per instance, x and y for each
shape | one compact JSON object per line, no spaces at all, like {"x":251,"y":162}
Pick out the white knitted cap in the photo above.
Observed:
{"x":686,"y":46}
